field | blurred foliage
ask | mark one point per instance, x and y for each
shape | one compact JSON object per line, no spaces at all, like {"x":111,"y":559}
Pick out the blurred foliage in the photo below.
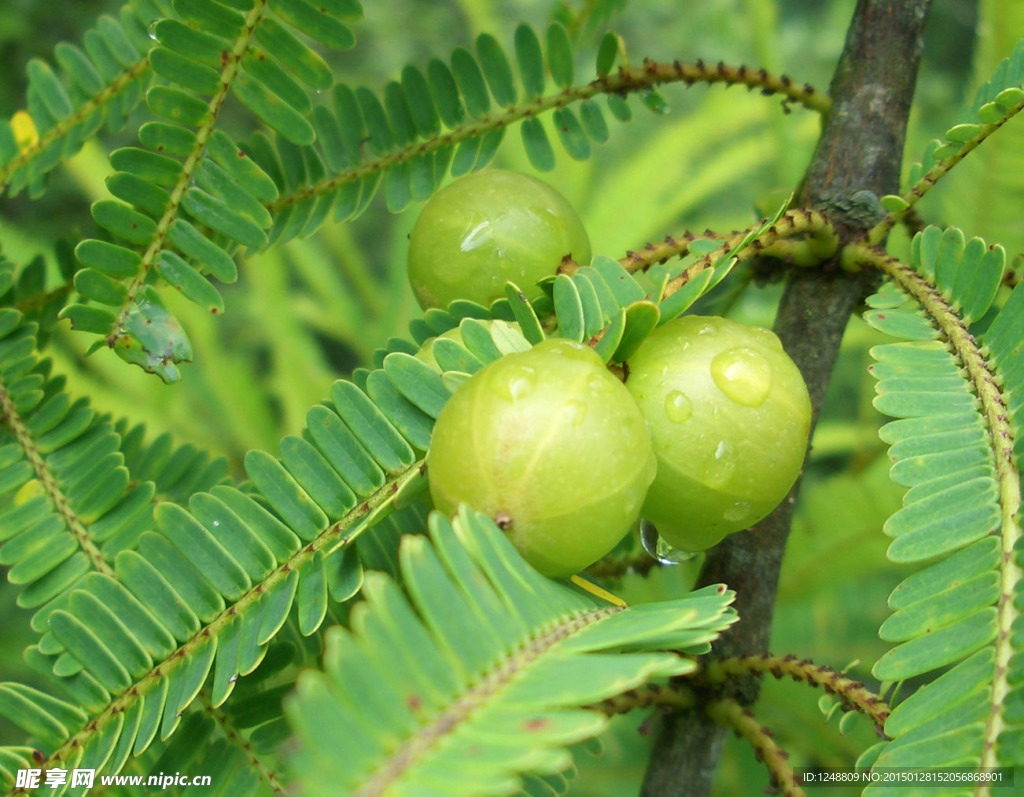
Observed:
{"x":305,"y":314}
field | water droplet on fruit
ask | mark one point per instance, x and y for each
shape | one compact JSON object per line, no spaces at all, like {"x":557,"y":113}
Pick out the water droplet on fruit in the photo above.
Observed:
{"x":738,"y":511}
{"x":766,"y":337}
{"x":518,"y":383}
{"x":720,"y":467}
{"x":743,"y":375}
{"x":479,"y":236}
{"x":706,"y":329}
{"x":658,"y":548}
{"x":678,"y":408}
{"x":575,"y":412}
{"x":684,"y":344}
{"x":598,"y":385}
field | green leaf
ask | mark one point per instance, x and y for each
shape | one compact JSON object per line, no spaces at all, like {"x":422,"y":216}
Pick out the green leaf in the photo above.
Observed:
{"x":320,"y":481}
{"x":446,"y":93}
{"x":148,"y":198}
{"x":167,"y":138}
{"x":184,"y":71}
{"x":538,"y":147}
{"x":496,"y":69}
{"x":524,"y":314}
{"x":312,"y":595}
{"x":213,"y":18}
{"x":421,"y":103}
{"x":178,"y":106}
{"x":190,"y":42}
{"x":607,"y":53}
{"x":217,"y":214}
{"x":560,"y":60}
{"x":190,"y":282}
{"x":416,"y":659}
{"x":152,"y":338}
{"x":49,"y":88}
{"x":124,"y":222}
{"x":530,"y":59}
{"x":283,"y":493}
{"x":294,"y":55}
{"x":593,"y":121}
{"x":280,"y":116}
{"x":641,"y":319}
{"x":572,"y":135}
{"x":471,"y":82}
{"x":377,"y":436}
{"x":568,"y":308}
{"x":937,"y":648}
{"x":343,"y":451}
{"x":278,"y":83}
{"x":195,"y":245}
{"x":314,"y":23}
{"x":99,"y":287}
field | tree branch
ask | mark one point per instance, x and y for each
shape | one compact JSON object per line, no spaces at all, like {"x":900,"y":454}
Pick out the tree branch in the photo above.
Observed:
{"x":858,"y":159}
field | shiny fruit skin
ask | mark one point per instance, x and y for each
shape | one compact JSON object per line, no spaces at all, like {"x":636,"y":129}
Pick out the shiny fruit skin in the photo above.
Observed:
{"x":487,"y":228}
{"x":550,"y":445}
{"x":729,"y":415}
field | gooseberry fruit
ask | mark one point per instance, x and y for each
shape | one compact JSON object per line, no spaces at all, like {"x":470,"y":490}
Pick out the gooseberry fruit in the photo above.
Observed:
{"x":729,"y":416}
{"x":549,"y":444}
{"x":486,"y":229}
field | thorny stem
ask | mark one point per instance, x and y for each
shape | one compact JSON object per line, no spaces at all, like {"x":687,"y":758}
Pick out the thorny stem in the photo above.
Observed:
{"x":263,"y":770}
{"x":732,"y":715}
{"x":821,"y":240}
{"x":853,"y":693}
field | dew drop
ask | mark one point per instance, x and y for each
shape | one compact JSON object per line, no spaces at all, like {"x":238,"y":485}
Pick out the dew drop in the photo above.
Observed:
{"x":517,"y":384}
{"x":151,"y":30}
{"x":678,"y":408}
{"x":658,"y":548}
{"x":766,"y":337}
{"x":738,"y":511}
{"x":575,"y":412}
{"x":598,"y":385}
{"x":684,"y":344}
{"x":743,"y":375}
{"x":720,"y":467}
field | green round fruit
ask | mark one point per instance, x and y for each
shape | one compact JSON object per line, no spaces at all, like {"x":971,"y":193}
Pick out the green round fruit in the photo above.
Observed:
{"x":729,"y":416}
{"x":550,"y":445}
{"x":487,"y":228}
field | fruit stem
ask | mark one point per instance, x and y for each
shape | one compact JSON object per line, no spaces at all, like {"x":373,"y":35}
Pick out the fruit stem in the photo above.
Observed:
{"x":853,"y":693}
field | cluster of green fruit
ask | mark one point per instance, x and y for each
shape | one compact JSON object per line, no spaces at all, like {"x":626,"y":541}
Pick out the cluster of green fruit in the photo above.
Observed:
{"x":704,"y":438}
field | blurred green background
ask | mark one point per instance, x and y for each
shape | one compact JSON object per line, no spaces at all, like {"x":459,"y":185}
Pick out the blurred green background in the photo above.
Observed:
{"x":308,"y":313}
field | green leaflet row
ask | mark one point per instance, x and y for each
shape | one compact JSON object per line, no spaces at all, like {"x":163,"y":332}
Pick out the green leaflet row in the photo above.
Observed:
{"x":205,"y":581}
{"x":96,"y":86}
{"x":480,"y":672}
{"x":1001,"y":97}
{"x":946,"y":614}
{"x":188,"y":196}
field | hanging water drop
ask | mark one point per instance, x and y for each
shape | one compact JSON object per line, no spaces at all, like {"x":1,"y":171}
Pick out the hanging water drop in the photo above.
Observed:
{"x":658,"y":548}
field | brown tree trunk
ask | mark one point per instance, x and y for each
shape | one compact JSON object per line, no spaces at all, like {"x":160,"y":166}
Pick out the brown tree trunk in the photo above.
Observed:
{"x":857,"y":160}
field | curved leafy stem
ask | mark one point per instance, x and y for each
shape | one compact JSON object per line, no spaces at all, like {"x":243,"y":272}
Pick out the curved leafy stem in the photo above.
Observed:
{"x":627,"y":79}
{"x":1001,"y":436}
